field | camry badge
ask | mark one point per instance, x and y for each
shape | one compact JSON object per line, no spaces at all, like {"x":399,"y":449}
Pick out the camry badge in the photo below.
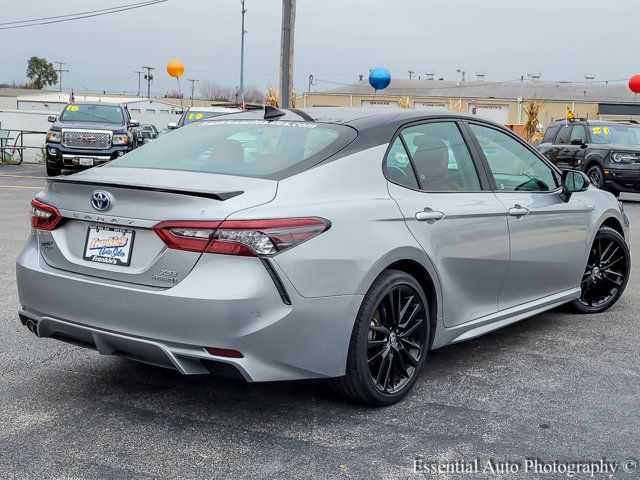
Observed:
{"x":100,"y":201}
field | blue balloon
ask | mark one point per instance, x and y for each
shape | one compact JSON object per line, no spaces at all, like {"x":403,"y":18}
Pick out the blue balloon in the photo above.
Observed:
{"x":379,"y":78}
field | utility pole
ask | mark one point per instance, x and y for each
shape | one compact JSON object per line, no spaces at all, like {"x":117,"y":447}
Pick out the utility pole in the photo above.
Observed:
{"x":139,"y":73}
{"x":286,"y":51}
{"x":311,"y":84}
{"x":193,"y":86}
{"x":148,"y":77}
{"x":60,"y":70}
{"x":241,"y":88}
{"x":411,"y":72}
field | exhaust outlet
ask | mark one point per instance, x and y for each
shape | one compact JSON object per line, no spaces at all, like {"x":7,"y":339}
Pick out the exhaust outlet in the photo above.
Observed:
{"x":32,"y":326}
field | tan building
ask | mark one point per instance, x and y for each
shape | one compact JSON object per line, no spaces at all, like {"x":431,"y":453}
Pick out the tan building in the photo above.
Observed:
{"x":498,"y":101}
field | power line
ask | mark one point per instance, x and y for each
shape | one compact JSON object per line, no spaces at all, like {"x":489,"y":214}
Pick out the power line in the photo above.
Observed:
{"x":76,"y":16}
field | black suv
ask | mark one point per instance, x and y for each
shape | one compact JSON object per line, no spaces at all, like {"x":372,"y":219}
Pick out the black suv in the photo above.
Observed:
{"x":608,"y":152}
{"x":87,"y":134}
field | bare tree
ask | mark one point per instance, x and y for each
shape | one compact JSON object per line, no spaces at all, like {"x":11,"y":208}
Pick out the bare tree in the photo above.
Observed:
{"x":212,"y":91}
{"x":253,"y":94}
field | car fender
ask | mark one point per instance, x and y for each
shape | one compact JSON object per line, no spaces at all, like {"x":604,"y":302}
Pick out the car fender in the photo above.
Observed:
{"x":404,"y":253}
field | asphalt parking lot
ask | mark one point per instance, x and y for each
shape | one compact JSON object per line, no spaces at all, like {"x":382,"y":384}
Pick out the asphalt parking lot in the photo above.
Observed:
{"x":555,"y":387}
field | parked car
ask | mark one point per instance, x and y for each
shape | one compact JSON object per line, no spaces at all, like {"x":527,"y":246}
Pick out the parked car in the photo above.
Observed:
{"x":353,"y":243}
{"x":151,"y":129}
{"x":195,"y":114}
{"x":87,"y":134}
{"x":145,"y":136}
{"x":608,"y":152}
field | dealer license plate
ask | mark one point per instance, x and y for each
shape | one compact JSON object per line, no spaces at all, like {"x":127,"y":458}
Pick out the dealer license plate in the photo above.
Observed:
{"x":109,"y":245}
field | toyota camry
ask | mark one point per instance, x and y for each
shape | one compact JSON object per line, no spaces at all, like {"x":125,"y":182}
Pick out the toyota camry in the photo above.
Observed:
{"x":320,"y":243}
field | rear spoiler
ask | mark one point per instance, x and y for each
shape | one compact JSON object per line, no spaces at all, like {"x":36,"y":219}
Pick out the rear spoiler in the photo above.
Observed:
{"x":191,"y":193}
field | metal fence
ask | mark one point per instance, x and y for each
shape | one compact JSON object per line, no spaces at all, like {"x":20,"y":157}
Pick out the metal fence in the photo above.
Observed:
{"x":17,"y":146}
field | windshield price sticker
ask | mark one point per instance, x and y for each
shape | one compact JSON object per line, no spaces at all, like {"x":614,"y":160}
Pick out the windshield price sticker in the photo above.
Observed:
{"x":195,"y":116}
{"x":73,"y":108}
{"x":600,"y":130}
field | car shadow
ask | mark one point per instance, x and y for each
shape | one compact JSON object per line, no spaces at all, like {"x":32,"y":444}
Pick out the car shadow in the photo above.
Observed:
{"x":151,"y":387}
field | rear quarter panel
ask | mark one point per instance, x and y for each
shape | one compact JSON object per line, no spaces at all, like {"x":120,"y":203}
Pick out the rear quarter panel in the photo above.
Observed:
{"x":367,"y":230}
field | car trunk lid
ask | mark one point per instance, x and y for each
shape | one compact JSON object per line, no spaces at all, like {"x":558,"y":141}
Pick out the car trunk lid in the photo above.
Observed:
{"x":138,"y":199}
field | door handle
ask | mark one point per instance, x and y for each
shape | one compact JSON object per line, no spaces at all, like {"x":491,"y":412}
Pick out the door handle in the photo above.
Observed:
{"x":518,"y":211}
{"x":429,"y":215}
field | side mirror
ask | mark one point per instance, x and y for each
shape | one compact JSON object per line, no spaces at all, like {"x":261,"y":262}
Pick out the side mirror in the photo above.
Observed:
{"x":573,"y":181}
{"x":577,"y":141}
{"x":172,"y":125}
{"x":52,"y":118}
{"x":134,"y":123}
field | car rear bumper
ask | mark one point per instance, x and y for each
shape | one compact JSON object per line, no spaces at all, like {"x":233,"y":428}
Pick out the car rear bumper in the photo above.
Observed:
{"x":239,"y":310}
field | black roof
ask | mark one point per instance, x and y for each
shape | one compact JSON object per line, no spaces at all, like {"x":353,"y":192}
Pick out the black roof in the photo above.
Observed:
{"x":361,"y":118}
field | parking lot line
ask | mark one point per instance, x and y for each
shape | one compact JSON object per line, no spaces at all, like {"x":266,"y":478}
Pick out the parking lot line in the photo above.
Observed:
{"x":19,"y":176}
{"x":19,"y":186}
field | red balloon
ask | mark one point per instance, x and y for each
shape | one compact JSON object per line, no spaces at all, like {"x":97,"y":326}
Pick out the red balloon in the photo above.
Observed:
{"x":634,"y":83}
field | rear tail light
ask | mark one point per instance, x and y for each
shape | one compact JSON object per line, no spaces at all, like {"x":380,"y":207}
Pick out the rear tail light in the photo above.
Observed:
{"x":190,"y":236}
{"x":43,"y":216}
{"x":241,"y":237}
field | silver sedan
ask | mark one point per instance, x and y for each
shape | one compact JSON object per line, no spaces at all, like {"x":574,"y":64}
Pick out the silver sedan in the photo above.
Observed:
{"x":320,"y":243}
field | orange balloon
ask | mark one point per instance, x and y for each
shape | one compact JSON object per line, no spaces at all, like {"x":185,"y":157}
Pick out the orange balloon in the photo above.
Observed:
{"x":175,"y":68}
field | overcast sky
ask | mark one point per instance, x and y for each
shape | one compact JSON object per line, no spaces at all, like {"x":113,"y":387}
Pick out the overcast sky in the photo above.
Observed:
{"x":335,"y":40}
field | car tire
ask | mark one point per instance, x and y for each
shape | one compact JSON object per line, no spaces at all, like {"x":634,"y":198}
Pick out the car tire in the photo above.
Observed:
{"x":596,"y":176}
{"x":606,"y":273}
{"x":52,"y":171}
{"x":389,"y":342}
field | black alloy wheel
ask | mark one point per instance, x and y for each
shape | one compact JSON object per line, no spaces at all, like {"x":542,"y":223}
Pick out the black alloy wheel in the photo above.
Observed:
{"x":389,"y":343}
{"x":606,"y":274}
{"x":596,"y":176}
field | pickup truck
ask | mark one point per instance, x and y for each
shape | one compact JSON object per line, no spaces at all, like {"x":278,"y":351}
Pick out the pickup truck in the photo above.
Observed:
{"x":87,"y":134}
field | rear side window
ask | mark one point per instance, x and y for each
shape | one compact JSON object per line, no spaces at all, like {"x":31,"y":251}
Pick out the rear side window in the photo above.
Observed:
{"x":564,"y":135}
{"x":440,"y":157}
{"x":254,"y":148}
{"x":398,"y":166}
{"x":550,"y":134}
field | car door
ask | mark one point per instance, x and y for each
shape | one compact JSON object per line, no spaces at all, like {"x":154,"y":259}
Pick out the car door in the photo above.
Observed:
{"x":446,"y":203}
{"x":563,"y":147}
{"x":571,"y":154}
{"x":547,"y":236}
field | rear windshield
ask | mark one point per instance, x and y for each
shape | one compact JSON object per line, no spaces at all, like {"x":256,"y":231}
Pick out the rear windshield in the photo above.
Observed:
{"x":254,"y":148}
{"x":92,"y":113}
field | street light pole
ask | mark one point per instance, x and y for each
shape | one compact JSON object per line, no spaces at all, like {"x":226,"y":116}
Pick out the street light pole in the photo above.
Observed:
{"x":148,"y":77}
{"x":286,"y":51}
{"x":193,"y":85}
{"x":241,"y":88}
{"x":139,"y":73}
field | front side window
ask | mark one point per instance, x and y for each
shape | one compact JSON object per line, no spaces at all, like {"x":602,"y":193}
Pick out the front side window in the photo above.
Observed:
{"x":79,"y":112}
{"x":440,"y":158}
{"x":255,"y":148}
{"x":513,"y":166}
{"x":579,"y":133}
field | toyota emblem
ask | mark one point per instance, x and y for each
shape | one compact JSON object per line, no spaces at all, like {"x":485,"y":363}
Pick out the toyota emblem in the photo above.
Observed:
{"x":100,"y":200}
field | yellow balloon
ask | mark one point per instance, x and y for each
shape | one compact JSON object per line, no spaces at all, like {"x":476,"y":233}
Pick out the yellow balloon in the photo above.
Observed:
{"x":175,"y":68}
